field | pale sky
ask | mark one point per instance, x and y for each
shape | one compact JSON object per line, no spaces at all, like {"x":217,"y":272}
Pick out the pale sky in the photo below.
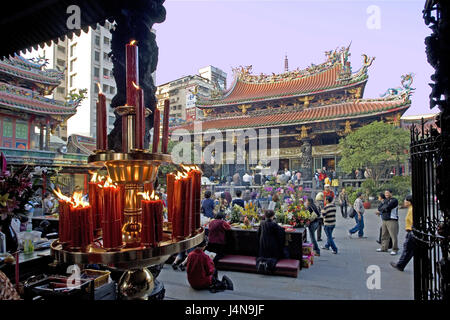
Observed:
{"x":227,"y":34}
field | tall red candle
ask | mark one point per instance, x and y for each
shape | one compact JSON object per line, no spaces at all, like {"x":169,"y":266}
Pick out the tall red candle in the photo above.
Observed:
{"x":148,"y":222}
{"x":188,"y":206}
{"x":165,"y":137}
{"x":159,"y":221}
{"x":102,"y":135}
{"x":132,"y":74}
{"x":139,"y":128}
{"x":112,"y":233}
{"x":64,"y":222}
{"x":156,"y":124}
{"x":170,"y":181}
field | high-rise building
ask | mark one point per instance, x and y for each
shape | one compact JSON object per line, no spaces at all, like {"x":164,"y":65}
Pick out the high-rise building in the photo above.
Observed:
{"x":89,"y":66}
{"x":215,"y":75}
{"x":183,"y":92}
{"x":56,"y":56}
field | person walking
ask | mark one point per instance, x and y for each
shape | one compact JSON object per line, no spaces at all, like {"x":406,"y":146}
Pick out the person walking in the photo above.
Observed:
{"x":329,"y":216}
{"x":389,"y":226}
{"x":343,"y":202}
{"x":320,"y":205}
{"x":358,"y":206}
{"x":334,"y":182}
{"x":409,"y":244}
{"x":314,"y":224}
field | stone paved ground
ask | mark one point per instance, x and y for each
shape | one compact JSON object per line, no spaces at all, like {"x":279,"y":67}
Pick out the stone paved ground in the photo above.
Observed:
{"x":332,"y":277}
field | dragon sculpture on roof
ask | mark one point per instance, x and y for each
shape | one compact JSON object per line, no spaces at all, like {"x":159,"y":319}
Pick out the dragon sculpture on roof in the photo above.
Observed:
{"x":404,"y":91}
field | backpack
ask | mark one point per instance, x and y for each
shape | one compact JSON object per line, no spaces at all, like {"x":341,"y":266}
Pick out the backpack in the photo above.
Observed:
{"x":352,"y":212}
{"x":265,"y":265}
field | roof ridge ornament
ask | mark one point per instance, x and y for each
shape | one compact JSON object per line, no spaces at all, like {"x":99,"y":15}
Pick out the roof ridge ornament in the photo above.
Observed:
{"x":404,"y":91}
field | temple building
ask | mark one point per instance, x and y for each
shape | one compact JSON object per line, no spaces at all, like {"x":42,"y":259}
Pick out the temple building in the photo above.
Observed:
{"x":28,"y":119}
{"x":312,"y":109}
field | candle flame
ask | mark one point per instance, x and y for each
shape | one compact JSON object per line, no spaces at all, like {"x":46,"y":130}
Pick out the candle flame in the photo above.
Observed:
{"x":77,"y":200}
{"x":99,"y":88}
{"x":147,"y":197}
{"x":109,"y":183}
{"x":60,"y":196}
{"x":135,"y":85}
{"x":132,"y":42}
{"x":181,"y":175}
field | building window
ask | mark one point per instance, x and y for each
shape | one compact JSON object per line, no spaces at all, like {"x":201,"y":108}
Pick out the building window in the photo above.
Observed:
{"x":105,"y":56}
{"x":72,"y":78}
{"x":72,"y":65}
{"x":106,"y":40}
{"x":61,"y":90}
{"x":61,"y":49}
{"x":96,"y":72}
{"x":21,"y":130}
{"x":7,"y":128}
{"x":97,"y":40}
{"x":179,"y":107}
{"x":96,"y":55}
{"x":96,"y":88}
{"x":105,"y":88}
{"x":72,"y":49}
{"x":60,"y":62}
{"x":105,"y":72}
{"x":112,"y":90}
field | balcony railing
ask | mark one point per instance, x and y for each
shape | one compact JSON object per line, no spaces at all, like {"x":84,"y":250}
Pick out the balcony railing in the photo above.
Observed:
{"x":42,"y":157}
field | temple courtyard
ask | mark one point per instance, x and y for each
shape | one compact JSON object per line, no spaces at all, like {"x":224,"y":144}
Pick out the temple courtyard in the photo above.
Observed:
{"x":332,"y":277}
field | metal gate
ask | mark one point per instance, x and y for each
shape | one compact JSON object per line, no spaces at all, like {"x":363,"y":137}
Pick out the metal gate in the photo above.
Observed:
{"x":431,"y":245}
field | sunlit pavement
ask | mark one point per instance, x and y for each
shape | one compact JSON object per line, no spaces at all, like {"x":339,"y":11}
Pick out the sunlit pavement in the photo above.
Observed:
{"x":334,"y":277}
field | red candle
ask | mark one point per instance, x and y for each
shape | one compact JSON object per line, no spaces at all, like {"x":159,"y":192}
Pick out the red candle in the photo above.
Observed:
{"x":121,"y":202}
{"x":93,"y":201}
{"x":102,"y":135}
{"x":132,"y":74}
{"x":148,"y":223}
{"x":165,"y":137}
{"x":178,"y":208}
{"x":188,"y":206}
{"x":156,"y":120}
{"x":111,"y":225}
{"x":139,"y":128}
{"x":159,"y":221}
{"x":170,"y":178}
{"x":64,"y":223}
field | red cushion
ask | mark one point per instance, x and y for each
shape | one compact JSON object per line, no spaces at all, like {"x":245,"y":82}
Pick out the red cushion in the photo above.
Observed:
{"x":286,"y":267}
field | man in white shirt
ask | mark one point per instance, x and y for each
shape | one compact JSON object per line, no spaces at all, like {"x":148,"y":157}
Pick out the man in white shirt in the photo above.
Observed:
{"x":247,"y":179}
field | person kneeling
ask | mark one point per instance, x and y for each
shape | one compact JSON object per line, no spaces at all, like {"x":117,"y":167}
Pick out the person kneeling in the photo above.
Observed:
{"x":202,"y":274}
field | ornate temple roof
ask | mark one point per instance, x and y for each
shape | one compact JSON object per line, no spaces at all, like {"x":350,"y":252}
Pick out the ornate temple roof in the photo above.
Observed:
{"x":83,"y":144}
{"x":285,"y":116}
{"x":334,"y":73}
{"x":25,"y":100}
{"x":33,"y":70}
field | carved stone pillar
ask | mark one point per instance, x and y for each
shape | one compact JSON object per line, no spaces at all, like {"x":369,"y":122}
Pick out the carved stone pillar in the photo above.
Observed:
{"x":47,"y":137}
{"x":306,"y":159}
{"x":41,"y":137}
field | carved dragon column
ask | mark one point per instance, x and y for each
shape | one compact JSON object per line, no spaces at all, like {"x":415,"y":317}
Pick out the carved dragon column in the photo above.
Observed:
{"x":306,"y":159}
{"x":135,"y":23}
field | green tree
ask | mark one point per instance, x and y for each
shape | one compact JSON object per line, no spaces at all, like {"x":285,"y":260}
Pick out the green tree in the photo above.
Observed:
{"x":377,"y":146}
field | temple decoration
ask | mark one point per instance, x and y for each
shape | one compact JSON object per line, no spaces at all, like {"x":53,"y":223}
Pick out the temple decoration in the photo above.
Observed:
{"x":244,"y":107}
{"x":306,"y":100}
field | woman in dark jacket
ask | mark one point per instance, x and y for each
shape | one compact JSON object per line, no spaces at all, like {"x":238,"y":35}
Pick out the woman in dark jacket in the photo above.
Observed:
{"x":382,"y":199}
{"x":271,"y":238}
{"x":314,"y":224}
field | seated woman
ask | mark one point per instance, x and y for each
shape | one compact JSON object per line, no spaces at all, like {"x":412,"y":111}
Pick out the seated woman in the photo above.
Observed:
{"x":271,"y":239}
{"x":202,"y":274}
{"x":216,"y":236}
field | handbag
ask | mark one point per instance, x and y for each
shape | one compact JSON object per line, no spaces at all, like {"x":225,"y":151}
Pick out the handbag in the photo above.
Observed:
{"x":352,"y":212}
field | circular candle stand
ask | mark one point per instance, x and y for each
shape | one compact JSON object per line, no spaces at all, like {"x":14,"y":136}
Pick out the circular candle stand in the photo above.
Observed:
{"x":133,"y":170}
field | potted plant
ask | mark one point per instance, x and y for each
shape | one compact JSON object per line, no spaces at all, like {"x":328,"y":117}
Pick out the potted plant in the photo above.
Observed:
{"x":15,"y":192}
